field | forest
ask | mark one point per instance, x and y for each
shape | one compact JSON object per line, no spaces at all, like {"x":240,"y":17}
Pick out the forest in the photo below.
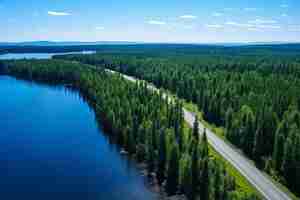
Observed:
{"x":254,"y":95}
{"x":150,"y":128}
{"x":158,"y":49}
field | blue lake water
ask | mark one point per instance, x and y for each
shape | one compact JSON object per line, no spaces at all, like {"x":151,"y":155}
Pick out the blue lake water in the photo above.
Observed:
{"x":52,"y":148}
{"x":38,"y":55}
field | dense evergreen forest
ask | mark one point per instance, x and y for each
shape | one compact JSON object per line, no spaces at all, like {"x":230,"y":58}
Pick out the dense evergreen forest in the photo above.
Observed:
{"x":160,"y":49}
{"x":254,"y":95}
{"x":147,"y":126}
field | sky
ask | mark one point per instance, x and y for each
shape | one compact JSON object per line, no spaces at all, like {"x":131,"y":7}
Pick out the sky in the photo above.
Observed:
{"x":180,"y":21}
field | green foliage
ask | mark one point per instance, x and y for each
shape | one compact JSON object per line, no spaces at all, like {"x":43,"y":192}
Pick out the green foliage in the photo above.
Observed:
{"x":148,"y":127}
{"x":249,"y":91}
{"x":172,"y":182}
{"x":195,"y":176}
{"x":204,"y":180}
{"x":196,"y":129}
{"x":162,"y":158}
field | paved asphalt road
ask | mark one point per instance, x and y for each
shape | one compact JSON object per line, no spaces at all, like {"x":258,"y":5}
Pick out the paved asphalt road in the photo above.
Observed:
{"x":260,"y":181}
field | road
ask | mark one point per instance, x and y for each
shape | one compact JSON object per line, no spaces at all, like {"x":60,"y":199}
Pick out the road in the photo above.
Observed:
{"x":260,"y":181}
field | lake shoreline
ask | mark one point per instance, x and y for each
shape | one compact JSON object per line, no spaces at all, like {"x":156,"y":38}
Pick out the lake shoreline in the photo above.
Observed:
{"x":83,"y":174}
{"x":150,"y":181}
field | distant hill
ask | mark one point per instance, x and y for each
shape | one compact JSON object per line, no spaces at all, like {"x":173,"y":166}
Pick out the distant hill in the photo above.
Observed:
{"x":268,"y":48}
{"x":69,"y":43}
{"x":77,"y":43}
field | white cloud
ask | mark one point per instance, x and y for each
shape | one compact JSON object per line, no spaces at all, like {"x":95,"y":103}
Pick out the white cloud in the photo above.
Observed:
{"x":156,"y":22}
{"x":53,"y":13}
{"x":250,"y":9}
{"x":173,"y":26}
{"x":264,"y":26}
{"x":217,"y":14}
{"x":188,"y":17}
{"x":284,"y":6}
{"x":231,"y":23}
{"x":99,"y":28}
{"x":214,"y":26}
{"x":261,"y":21}
{"x":253,"y":26}
{"x":253,"y":29}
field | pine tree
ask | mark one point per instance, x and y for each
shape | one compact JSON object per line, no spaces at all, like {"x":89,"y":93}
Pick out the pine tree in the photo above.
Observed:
{"x":247,"y":129}
{"x":258,"y":147}
{"x":186,"y":183}
{"x":204,"y":181}
{"x":204,"y":145}
{"x":154,"y":133}
{"x":289,"y":167}
{"x":173,"y":171}
{"x":196,"y":129}
{"x":131,"y":143}
{"x":228,"y":122}
{"x":195,"y":175}
{"x":150,"y":157}
{"x":279,"y":145}
{"x":218,"y":183}
{"x":162,"y":158}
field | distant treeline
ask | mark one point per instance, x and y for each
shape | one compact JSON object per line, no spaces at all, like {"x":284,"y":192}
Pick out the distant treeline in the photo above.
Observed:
{"x":163,"y":49}
{"x":146,"y":125}
{"x":254,"y":96}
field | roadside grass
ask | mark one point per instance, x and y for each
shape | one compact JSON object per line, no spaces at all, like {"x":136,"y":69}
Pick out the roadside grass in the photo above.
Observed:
{"x":220,"y":131}
{"x":281,"y":186}
{"x":243,"y":184}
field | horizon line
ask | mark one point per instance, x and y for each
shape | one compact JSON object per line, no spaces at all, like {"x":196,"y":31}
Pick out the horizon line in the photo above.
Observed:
{"x":150,"y":42}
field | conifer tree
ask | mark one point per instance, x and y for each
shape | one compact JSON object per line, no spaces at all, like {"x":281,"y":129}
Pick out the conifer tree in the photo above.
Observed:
{"x":195,"y":168}
{"x":173,"y":171}
{"x":204,"y":181}
{"x":162,"y":158}
{"x":196,"y":129}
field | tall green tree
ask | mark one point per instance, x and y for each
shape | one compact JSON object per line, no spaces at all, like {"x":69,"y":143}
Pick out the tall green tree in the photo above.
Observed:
{"x":195,"y":169}
{"x":204,"y":183}
{"x":162,"y":158}
{"x":196,"y":129}
{"x":172,"y":182}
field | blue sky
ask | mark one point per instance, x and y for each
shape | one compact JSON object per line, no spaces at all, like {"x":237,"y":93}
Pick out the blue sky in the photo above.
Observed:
{"x":150,"y":21}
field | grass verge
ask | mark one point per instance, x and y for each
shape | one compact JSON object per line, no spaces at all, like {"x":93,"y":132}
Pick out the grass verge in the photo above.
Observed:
{"x":243,"y":184}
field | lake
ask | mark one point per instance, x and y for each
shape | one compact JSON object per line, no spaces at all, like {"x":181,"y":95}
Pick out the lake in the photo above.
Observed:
{"x":38,"y":55}
{"x":52,"y":148}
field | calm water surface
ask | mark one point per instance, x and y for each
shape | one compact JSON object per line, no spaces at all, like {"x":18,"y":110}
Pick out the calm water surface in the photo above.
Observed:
{"x":38,"y":55}
{"x":51,"y":148}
